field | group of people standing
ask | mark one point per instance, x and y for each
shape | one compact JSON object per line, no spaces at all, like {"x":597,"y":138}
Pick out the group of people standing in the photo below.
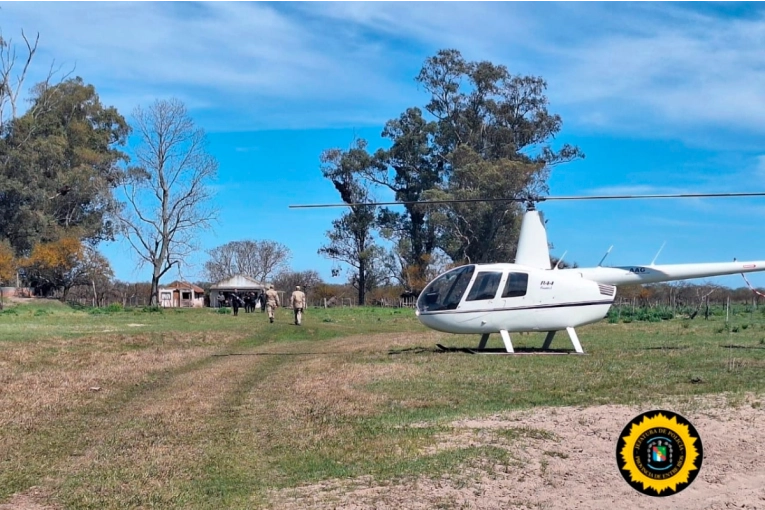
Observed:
{"x":268,"y":302}
{"x":249,"y":300}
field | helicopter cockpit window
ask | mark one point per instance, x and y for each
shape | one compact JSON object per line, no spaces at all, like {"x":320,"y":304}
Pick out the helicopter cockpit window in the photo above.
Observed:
{"x":445,"y":292}
{"x":516,"y":285}
{"x":485,"y":286}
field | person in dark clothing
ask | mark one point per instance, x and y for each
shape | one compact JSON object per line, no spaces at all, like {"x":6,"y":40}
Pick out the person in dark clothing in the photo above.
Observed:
{"x":235,"y":302}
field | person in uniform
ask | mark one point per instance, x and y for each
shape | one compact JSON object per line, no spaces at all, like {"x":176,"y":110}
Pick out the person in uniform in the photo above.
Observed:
{"x":298,"y":304}
{"x":272,"y":302}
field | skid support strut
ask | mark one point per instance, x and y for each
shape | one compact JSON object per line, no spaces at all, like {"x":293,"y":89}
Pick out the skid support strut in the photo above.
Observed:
{"x":571,"y":334}
{"x":507,"y":341}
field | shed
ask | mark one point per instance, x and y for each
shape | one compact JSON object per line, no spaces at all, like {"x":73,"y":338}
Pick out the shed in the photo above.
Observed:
{"x":180,"y":294}
{"x":238,"y":283}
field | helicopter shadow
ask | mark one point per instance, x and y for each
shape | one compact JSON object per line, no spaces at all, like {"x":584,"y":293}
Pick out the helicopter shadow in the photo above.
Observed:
{"x":413,"y":350}
{"x":441,"y":349}
{"x":734,"y":346}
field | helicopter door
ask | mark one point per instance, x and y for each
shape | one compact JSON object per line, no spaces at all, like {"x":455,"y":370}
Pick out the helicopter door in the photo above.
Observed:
{"x":485,"y":288}
{"x":514,"y":291}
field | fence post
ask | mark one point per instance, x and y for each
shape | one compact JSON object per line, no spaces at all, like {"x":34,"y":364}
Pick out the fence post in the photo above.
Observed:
{"x":727,"y":310}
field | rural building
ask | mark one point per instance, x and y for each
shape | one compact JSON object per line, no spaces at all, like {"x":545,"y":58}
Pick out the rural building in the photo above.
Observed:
{"x":181,"y":295}
{"x":10,"y":292}
{"x":239,"y":283}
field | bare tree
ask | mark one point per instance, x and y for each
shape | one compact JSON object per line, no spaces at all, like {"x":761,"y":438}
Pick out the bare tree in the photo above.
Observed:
{"x":257,"y":259}
{"x":287,"y":280}
{"x":703,"y":292}
{"x":168,"y":194}
{"x":222,"y":263}
{"x":10,"y":85}
{"x":274,"y":258}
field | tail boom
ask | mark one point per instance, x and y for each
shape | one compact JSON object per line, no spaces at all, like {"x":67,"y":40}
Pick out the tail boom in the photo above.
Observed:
{"x":664,"y":273}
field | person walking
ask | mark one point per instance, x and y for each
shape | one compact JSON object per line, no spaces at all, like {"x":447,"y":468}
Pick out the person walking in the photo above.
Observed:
{"x":235,"y":302}
{"x":298,"y":304}
{"x":272,"y":302}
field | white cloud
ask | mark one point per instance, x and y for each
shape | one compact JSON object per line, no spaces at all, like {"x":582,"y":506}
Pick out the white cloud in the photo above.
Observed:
{"x":238,"y":57}
{"x":688,"y":72}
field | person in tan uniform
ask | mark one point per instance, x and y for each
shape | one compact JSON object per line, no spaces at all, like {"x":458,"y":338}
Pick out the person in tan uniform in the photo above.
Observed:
{"x":272,"y":302}
{"x":298,"y":304}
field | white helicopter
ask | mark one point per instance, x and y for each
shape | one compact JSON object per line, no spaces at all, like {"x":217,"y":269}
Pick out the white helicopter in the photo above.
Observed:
{"x":530,"y":295}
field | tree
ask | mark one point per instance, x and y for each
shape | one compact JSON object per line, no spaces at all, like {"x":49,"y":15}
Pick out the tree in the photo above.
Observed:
{"x":8,"y":267}
{"x":168,"y":193}
{"x":410,"y":169}
{"x":288,"y":280}
{"x":11,"y":84}
{"x":257,"y":259}
{"x":99,"y":274}
{"x":63,"y":264}
{"x":494,"y":135}
{"x":60,"y":167}
{"x":351,"y":240}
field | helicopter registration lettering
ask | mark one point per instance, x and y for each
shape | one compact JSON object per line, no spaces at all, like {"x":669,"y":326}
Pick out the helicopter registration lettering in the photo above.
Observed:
{"x":637,"y":270}
{"x":546,"y":284}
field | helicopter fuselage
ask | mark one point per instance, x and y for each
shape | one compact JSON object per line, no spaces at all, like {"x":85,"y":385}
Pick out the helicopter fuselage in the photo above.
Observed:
{"x":487,"y":298}
{"x":531,"y":295}
{"x":490,"y":298}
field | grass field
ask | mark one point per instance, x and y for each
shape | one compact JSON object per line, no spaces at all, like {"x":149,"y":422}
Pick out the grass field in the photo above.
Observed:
{"x":197,"y":409}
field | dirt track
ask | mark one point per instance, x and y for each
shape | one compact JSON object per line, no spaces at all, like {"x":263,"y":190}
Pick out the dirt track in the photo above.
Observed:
{"x":576,"y":469}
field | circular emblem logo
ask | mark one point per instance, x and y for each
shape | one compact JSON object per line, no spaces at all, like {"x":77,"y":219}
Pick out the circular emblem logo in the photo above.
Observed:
{"x":659,"y":453}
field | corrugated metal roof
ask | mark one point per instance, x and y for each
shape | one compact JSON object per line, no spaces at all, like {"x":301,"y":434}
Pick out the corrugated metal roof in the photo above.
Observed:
{"x":240,"y":282}
{"x":183,"y":286}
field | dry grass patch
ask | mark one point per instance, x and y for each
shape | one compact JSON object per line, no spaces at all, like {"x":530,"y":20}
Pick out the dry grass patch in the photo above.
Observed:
{"x":39,"y":381}
{"x":156,"y":446}
{"x":312,"y":400}
{"x":563,"y":458}
{"x":59,"y":397}
{"x":35,"y":498}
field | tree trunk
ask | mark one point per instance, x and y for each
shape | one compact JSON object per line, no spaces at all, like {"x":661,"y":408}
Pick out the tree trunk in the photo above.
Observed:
{"x":362,"y":282}
{"x":154,"y":296}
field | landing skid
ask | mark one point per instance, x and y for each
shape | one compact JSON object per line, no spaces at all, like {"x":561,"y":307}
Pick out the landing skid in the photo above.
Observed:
{"x":482,"y":349}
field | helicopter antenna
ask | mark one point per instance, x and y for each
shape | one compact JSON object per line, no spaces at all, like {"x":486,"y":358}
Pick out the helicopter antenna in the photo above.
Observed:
{"x":606,"y":255}
{"x":560,"y":259}
{"x":657,"y":253}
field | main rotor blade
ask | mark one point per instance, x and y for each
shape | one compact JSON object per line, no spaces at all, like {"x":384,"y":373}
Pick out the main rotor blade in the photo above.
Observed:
{"x":679,"y":195}
{"x":410,"y":202}
{"x":532,"y":198}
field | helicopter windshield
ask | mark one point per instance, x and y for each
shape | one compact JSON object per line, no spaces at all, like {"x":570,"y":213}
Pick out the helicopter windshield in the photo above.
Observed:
{"x":445,"y":292}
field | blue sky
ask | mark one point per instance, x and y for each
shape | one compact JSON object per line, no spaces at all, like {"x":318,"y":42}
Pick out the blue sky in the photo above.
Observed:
{"x":661,"y":97}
